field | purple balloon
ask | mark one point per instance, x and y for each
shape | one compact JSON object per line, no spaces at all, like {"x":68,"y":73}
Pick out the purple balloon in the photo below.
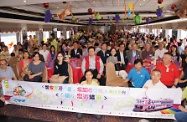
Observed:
{"x":117,"y":18}
{"x":48,"y":16}
{"x":147,"y":20}
{"x":159,"y":12}
{"x":90,"y":21}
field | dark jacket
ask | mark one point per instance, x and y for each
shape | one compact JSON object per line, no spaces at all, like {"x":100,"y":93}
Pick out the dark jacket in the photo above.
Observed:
{"x":124,"y":55}
{"x":103,"y":56}
{"x":78,"y":53}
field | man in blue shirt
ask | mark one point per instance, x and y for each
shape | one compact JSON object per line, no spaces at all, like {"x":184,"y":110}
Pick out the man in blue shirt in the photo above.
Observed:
{"x":138,"y":75}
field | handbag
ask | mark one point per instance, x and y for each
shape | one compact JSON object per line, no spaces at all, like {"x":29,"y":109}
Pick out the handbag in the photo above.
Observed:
{"x":119,"y":67}
{"x":57,"y":79}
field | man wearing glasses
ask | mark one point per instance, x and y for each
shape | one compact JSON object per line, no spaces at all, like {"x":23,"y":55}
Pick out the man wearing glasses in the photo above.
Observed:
{"x":6,"y":73}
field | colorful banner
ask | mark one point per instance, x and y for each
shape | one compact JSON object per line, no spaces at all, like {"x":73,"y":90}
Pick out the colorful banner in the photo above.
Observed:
{"x":103,"y":100}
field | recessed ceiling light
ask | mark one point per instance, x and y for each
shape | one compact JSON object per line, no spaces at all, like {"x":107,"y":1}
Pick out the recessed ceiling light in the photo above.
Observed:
{"x":70,"y":2}
{"x":143,"y":0}
{"x":24,"y":1}
{"x":94,"y":1}
{"x":118,"y":4}
{"x":57,"y":7}
{"x":140,"y":4}
{"x":97,"y":5}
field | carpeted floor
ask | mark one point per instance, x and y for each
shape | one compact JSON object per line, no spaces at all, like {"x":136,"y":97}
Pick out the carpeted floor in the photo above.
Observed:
{"x":60,"y":116}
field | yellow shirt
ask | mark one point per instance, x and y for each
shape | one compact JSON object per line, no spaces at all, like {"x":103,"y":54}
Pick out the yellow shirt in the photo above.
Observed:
{"x":94,"y":83}
{"x":54,"y":43}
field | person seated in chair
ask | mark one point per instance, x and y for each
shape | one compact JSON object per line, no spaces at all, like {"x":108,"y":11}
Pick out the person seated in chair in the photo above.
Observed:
{"x":76,"y":52}
{"x":138,"y":75}
{"x":35,"y":69}
{"x":6,"y":72}
{"x":95,"y":63}
{"x":89,"y":81}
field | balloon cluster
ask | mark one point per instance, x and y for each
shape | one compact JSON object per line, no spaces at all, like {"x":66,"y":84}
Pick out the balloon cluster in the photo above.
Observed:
{"x":159,"y":11}
{"x":137,"y":19}
{"x":117,"y":17}
{"x":48,"y":14}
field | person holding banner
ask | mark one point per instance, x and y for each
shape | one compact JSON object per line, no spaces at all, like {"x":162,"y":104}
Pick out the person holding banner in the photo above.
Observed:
{"x":138,"y":75}
{"x":170,"y":72}
{"x":6,"y":72}
{"x":95,"y":63}
{"x":155,"y":80}
{"x":35,"y":69}
{"x":89,"y":81}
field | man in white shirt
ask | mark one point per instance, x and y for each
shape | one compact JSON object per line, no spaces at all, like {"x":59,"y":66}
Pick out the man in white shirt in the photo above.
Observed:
{"x":159,"y":53}
{"x":44,"y":52}
{"x":155,"y":80}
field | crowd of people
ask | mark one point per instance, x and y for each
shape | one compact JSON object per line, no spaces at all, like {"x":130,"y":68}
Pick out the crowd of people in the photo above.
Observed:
{"x":167,"y":54}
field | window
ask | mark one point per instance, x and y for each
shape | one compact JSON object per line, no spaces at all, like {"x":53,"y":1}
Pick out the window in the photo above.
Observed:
{"x":9,"y":39}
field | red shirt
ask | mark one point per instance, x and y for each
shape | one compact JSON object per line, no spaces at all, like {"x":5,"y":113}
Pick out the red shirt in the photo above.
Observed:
{"x":168,"y":74}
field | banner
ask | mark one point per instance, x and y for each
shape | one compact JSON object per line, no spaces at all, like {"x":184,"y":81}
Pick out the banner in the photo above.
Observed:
{"x":103,"y":100}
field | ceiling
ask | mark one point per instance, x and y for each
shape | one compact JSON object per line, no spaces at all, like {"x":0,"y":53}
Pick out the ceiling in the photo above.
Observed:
{"x":106,"y":8}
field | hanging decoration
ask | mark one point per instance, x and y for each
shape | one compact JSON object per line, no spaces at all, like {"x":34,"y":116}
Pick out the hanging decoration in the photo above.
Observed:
{"x":137,"y":19}
{"x":98,"y":16}
{"x":129,"y":13}
{"x":183,"y":9}
{"x":90,"y":21}
{"x":122,"y":20}
{"x":160,"y":1}
{"x":147,"y":20}
{"x":48,"y":16}
{"x":66,"y":12}
{"x":111,"y":18}
{"x":73,"y":18}
{"x":117,"y":17}
{"x":173,"y":6}
{"x":46,"y":5}
{"x":125,"y":11}
{"x":89,"y":10}
{"x":159,"y":11}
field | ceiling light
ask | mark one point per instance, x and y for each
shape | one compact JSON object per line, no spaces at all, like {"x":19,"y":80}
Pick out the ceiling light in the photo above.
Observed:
{"x":94,"y":1}
{"x":70,"y":2}
{"x":140,"y":4}
{"x":118,"y":4}
{"x":24,"y":1}
{"x":97,"y":5}
{"x":57,"y":7}
{"x":144,"y":0}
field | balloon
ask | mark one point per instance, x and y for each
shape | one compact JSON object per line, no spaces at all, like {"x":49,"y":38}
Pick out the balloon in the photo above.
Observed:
{"x":137,"y":19}
{"x":173,"y":6}
{"x":129,"y":13}
{"x":147,"y":20}
{"x":122,"y":20}
{"x":117,"y":18}
{"x":46,"y":5}
{"x":73,"y":18}
{"x":130,"y":5}
{"x":98,"y":16}
{"x":159,"y":12}
{"x":160,"y":1}
{"x":48,"y":16}
{"x":90,"y":21}
{"x":89,"y":10}
{"x":111,"y":18}
{"x":160,"y":6}
{"x":93,"y":16}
